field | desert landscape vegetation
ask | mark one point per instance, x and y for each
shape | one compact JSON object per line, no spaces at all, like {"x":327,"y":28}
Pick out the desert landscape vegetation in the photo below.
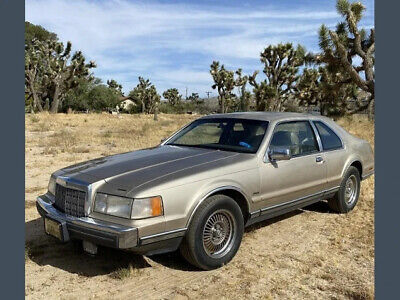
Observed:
{"x":338,"y":80}
{"x":73,"y":116}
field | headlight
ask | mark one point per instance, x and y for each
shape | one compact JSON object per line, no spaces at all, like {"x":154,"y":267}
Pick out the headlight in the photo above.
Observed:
{"x":113,"y":205}
{"x":147,"y":207}
{"x":127,"y":207}
{"x":52,"y":186}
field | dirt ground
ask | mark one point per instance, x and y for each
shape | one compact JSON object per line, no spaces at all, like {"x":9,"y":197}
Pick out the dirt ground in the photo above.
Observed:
{"x":309,"y":253}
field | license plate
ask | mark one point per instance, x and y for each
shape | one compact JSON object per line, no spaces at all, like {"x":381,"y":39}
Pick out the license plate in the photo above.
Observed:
{"x":53,"y":228}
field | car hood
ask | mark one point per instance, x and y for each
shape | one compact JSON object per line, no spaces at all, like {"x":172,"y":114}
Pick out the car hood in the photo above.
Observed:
{"x":131,"y":170}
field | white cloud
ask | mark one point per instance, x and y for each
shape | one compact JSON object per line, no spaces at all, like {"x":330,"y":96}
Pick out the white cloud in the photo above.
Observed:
{"x":185,"y":76}
{"x":173,"y":44}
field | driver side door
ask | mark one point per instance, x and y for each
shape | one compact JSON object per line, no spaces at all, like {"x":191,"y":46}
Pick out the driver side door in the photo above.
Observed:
{"x":303,"y":175}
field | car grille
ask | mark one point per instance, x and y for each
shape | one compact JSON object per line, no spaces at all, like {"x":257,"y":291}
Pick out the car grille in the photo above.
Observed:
{"x":69,"y":201}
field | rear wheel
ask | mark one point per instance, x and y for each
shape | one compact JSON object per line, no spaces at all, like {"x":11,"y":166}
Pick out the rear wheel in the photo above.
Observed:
{"x":214,"y":234}
{"x":347,"y":196}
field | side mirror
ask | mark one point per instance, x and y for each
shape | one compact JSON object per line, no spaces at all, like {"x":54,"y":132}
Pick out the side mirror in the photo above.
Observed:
{"x":279,"y":153}
{"x":163,"y":140}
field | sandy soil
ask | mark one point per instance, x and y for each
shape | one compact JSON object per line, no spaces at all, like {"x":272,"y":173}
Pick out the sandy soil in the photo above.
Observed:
{"x":309,"y":253}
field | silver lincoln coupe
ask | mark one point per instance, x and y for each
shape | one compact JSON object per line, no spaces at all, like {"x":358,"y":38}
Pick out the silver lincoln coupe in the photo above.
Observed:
{"x":200,"y":187}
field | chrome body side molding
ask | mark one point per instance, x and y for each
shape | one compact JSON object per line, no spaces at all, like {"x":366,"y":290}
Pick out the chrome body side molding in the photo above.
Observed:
{"x":275,"y":210}
{"x":367,"y":175}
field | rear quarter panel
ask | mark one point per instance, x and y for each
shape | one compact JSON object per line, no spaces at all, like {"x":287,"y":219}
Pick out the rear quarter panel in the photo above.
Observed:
{"x":356,"y":149}
{"x":363,"y":151}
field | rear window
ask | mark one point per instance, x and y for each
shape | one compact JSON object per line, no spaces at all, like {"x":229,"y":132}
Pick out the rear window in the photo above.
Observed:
{"x":329,"y":139}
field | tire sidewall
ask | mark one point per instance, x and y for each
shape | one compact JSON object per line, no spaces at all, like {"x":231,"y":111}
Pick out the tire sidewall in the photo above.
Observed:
{"x":223,"y":202}
{"x":342,"y":199}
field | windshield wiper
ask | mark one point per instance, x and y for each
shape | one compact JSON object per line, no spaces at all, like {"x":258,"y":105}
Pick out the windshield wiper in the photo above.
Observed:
{"x":191,"y":146}
{"x":214,"y":147}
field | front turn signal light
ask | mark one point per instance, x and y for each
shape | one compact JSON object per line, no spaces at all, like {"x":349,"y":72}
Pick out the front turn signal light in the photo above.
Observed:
{"x":147,"y":207}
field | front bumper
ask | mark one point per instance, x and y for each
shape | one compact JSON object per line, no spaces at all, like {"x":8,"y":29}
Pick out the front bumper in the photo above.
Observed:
{"x":86,"y":228}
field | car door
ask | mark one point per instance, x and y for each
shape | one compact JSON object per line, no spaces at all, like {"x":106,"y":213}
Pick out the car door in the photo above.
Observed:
{"x":335,"y":154}
{"x":301,"y":176}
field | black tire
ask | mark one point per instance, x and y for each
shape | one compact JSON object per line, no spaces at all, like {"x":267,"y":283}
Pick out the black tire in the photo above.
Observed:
{"x":223,"y":209}
{"x":340,"y":203}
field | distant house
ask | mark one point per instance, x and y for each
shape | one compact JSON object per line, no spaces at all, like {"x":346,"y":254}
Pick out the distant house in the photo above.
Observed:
{"x":125,"y":104}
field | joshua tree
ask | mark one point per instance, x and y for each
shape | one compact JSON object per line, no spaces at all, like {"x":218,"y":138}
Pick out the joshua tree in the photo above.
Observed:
{"x":153,"y":100}
{"x":36,"y":38}
{"x":319,"y":87}
{"x":34,"y":72}
{"x":50,"y":71}
{"x":281,"y":66}
{"x":195,"y":98}
{"x":263,"y":93}
{"x":340,"y":47}
{"x":63,"y":71}
{"x":114,"y":85}
{"x":173,"y":96}
{"x":49,"y":65}
{"x":138,"y":94}
{"x":224,"y":82}
{"x":146,"y":94}
{"x":244,"y":98}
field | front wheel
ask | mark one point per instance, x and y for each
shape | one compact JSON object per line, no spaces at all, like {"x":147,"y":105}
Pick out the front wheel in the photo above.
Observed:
{"x":214,"y":234}
{"x":347,"y":196}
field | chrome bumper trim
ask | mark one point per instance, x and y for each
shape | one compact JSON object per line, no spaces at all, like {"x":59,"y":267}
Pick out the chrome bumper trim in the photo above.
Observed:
{"x":162,"y":236}
{"x":126,"y":237}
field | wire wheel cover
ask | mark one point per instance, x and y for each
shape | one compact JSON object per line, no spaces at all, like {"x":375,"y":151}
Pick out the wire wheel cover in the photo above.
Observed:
{"x":351,"y":190}
{"x":218,"y":233}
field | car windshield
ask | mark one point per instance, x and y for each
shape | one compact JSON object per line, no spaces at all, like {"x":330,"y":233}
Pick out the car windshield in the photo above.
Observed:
{"x":238,"y":135}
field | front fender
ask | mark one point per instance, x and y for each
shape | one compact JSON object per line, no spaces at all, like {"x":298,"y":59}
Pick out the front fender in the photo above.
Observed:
{"x":182,"y":201}
{"x":215,"y":191}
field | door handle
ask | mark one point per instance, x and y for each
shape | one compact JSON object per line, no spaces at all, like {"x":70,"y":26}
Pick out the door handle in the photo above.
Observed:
{"x":319,"y":159}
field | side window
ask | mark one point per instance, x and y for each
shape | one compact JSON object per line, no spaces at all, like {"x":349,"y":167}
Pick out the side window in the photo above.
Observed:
{"x":245,"y":134}
{"x":298,"y":136}
{"x":329,"y":139}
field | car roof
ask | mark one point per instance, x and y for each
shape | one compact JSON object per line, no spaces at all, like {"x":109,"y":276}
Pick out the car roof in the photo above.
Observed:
{"x":266,"y":116}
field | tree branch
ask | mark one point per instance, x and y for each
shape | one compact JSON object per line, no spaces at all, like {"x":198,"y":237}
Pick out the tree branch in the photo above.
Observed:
{"x":362,"y":84}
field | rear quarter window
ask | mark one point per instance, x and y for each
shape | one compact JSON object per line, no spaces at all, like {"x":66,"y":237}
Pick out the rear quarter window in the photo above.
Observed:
{"x":329,"y":139}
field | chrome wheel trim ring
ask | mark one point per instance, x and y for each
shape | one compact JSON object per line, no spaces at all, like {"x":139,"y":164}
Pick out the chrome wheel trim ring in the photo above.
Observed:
{"x":219,"y":233}
{"x":351,"y":190}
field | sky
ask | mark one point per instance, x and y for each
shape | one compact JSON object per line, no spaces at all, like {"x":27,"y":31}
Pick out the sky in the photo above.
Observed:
{"x":173,"y":43}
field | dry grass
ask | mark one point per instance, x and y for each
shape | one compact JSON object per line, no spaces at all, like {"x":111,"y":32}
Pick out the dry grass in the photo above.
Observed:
{"x":125,"y":273}
{"x":309,"y":254}
{"x":98,"y":133}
